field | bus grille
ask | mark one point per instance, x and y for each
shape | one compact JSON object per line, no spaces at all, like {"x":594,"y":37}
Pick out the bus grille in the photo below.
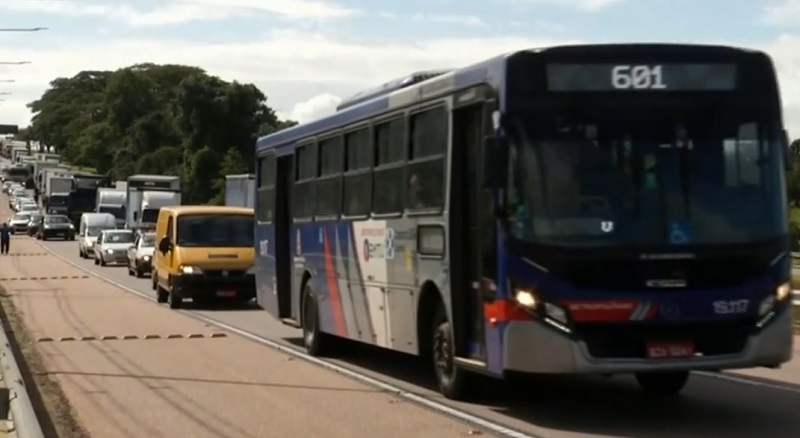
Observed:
{"x":629,"y":340}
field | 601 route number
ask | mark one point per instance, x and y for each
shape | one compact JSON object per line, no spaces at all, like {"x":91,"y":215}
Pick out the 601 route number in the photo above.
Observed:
{"x":638,"y":77}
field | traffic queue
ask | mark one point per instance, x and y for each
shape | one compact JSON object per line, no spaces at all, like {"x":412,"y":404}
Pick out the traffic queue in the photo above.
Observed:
{"x":205,"y":253}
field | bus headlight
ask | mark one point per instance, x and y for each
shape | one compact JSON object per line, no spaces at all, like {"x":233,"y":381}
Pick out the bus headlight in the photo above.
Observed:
{"x":556,"y":313}
{"x":782,"y":293}
{"x":526,"y":298}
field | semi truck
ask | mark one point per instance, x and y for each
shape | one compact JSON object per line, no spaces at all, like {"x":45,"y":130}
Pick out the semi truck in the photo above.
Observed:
{"x":84,"y":194}
{"x":146,"y":194}
{"x":240,"y":190}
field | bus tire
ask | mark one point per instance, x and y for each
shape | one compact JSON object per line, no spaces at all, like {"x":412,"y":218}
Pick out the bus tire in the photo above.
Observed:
{"x":662,"y":384}
{"x":315,"y":341}
{"x":454,"y":383}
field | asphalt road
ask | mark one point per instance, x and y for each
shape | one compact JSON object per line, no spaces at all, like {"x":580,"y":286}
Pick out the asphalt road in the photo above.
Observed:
{"x":730,"y":405}
{"x":132,"y":368}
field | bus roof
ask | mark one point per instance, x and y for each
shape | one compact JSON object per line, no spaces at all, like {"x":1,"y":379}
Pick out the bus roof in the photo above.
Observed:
{"x":485,"y":72}
{"x":208,"y":209}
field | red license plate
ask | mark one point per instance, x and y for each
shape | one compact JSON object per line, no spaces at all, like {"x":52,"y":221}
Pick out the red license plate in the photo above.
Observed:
{"x":670,"y":349}
{"x":226,"y":293}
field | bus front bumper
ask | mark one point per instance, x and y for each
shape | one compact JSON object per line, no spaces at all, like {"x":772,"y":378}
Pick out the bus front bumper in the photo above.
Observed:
{"x":532,"y":347}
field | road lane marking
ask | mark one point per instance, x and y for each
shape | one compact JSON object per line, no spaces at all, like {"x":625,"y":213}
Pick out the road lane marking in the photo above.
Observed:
{"x":495,"y":428}
{"x":148,"y":337}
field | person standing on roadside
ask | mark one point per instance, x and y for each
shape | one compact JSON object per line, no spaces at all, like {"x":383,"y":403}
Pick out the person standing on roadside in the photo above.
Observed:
{"x":5,"y":238}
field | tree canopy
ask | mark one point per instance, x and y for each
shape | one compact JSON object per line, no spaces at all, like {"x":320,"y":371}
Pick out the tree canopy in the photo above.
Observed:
{"x":155,"y":119}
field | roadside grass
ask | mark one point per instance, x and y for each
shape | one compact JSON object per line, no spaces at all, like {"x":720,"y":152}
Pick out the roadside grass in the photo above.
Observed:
{"x":52,"y":408}
{"x":83,"y":169}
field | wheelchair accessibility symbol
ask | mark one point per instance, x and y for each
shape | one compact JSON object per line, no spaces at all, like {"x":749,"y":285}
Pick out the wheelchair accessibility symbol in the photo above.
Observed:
{"x":679,"y":233}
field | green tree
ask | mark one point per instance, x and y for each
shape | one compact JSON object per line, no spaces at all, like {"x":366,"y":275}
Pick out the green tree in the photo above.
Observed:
{"x":156,"y":119}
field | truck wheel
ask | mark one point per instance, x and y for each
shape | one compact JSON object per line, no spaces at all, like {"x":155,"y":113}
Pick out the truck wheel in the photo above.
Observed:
{"x":162,"y":296}
{"x":103,"y":261}
{"x":315,"y":341}
{"x":662,"y":384}
{"x":454,"y":383}
{"x":174,"y":298}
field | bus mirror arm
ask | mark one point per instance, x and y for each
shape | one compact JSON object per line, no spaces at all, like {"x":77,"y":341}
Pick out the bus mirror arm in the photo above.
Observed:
{"x":788,"y":154}
{"x":495,"y":159}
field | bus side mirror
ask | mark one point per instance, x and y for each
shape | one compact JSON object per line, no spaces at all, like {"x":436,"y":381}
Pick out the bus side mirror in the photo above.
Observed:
{"x":789,"y":155}
{"x":495,"y":160}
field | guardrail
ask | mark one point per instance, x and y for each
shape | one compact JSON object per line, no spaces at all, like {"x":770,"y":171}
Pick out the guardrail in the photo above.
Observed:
{"x":21,"y":413}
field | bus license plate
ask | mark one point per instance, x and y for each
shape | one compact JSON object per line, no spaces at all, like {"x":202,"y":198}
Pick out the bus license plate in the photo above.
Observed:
{"x":670,"y":350}
{"x":226,"y":293}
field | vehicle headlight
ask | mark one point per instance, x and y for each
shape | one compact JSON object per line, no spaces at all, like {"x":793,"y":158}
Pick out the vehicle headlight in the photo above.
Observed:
{"x":251,"y":271}
{"x":146,"y":258}
{"x":110,"y":251}
{"x":781,"y":294}
{"x":191,"y":270}
{"x":526,"y":298}
{"x":71,"y":227}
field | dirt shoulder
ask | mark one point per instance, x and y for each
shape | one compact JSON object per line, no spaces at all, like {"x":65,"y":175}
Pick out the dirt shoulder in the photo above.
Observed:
{"x":51,"y":405}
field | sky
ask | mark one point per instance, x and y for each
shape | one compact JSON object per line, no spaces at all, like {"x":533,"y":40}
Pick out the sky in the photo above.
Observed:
{"x":306,"y":55}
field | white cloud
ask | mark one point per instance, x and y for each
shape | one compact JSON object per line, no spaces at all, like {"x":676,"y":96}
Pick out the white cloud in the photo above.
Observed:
{"x":462,"y":20}
{"x":305,"y":73}
{"x":586,"y":5}
{"x":314,"y":108}
{"x":785,"y":13}
{"x":786,"y":53}
{"x":289,"y":66}
{"x":185,"y":11}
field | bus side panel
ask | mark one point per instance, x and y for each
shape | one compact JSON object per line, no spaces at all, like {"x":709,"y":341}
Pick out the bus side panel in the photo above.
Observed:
{"x":352,"y":284}
{"x":266,"y":294}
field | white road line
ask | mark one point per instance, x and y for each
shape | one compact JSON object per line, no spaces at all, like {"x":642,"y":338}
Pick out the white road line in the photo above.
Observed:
{"x":440,"y":408}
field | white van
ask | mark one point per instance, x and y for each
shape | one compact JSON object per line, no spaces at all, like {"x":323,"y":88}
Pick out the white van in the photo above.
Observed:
{"x":91,"y":226}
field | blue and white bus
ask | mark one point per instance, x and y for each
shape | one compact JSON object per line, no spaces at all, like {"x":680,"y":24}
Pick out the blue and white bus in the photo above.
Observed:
{"x":576,"y":209}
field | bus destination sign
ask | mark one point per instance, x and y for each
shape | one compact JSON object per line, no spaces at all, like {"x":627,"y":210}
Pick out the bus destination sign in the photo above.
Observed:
{"x":641,"y":77}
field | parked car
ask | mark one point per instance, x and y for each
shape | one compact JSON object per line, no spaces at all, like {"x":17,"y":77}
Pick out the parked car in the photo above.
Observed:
{"x":56,"y":226}
{"x":112,"y":246}
{"x":140,"y":255}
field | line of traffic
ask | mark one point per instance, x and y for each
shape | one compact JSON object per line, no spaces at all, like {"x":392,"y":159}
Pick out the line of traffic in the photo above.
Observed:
{"x":493,"y":427}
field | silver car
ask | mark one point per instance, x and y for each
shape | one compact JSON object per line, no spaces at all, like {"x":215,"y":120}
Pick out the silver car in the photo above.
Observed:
{"x":112,"y":246}
{"x":19,"y":222}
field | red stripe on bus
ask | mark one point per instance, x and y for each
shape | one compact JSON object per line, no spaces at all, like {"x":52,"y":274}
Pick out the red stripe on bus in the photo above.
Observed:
{"x":504,"y":310}
{"x":333,"y":286}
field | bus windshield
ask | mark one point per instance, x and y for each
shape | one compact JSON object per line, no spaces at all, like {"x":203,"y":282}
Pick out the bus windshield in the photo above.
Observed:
{"x":215,"y":230}
{"x":629,"y":174}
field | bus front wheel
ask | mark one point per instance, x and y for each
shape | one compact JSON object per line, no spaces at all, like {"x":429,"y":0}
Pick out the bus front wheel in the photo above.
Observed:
{"x":316,"y":342}
{"x":662,"y":384}
{"x":454,"y":382}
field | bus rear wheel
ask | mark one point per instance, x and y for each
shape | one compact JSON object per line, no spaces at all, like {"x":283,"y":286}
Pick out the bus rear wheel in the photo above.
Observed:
{"x":315,"y":341}
{"x":454,"y":382}
{"x":662,"y":384}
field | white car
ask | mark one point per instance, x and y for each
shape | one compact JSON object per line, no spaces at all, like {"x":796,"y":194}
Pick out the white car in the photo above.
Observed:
{"x":28,"y":207}
{"x":140,"y":255}
{"x":112,"y":246}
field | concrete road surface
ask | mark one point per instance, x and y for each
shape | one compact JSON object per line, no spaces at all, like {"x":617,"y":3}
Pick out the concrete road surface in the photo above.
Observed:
{"x":552,"y":407}
{"x":185,"y":387}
